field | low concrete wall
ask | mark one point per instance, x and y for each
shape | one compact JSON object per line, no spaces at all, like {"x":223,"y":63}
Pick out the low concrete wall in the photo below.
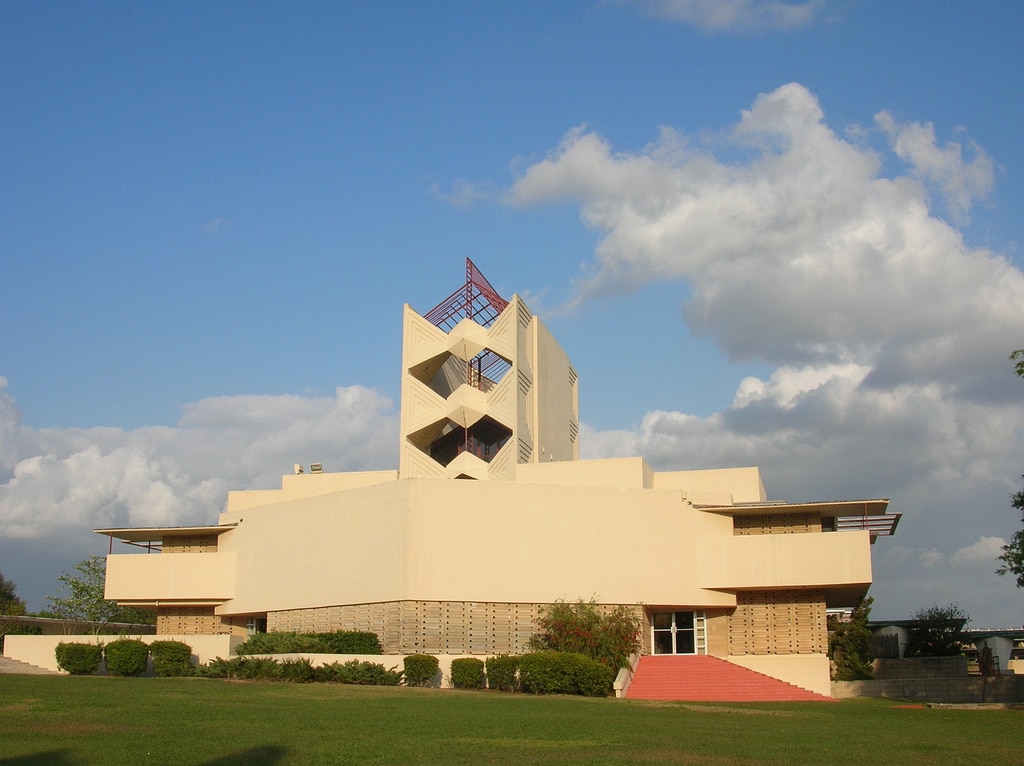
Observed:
{"x":808,"y":671}
{"x":974,"y":689}
{"x":921,"y":667}
{"x":39,"y":650}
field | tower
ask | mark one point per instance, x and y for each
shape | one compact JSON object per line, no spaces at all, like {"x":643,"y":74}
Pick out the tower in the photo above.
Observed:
{"x":485,"y":386}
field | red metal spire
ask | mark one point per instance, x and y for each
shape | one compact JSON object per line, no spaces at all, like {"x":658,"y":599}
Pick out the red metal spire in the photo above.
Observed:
{"x":476,"y":300}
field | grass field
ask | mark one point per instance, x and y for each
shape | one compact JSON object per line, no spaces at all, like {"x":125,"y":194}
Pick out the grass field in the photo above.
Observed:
{"x":61,"y":721}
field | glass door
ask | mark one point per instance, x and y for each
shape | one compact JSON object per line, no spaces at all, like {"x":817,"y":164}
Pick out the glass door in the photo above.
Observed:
{"x":674,"y":633}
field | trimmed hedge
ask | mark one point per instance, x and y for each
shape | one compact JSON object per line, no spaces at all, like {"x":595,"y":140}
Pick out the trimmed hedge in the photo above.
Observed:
{"x":420,"y":669}
{"x":289,"y":642}
{"x":171,"y":658}
{"x":280,"y":642}
{"x":127,"y":657}
{"x":79,"y":659}
{"x":468,"y":673}
{"x":502,"y":672}
{"x":564,"y":673}
{"x":350,"y":642}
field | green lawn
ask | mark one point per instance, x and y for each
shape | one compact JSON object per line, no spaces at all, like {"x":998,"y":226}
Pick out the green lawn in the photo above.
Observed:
{"x":60,"y":721}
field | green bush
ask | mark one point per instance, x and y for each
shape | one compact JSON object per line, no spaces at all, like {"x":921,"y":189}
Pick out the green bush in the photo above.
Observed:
{"x":171,"y":658}
{"x":127,"y":657}
{"x":356,"y":672}
{"x":502,"y":672}
{"x":257,"y":669}
{"x":420,"y":669}
{"x":79,"y":659}
{"x":218,"y":668}
{"x":468,"y":673}
{"x":849,"y":644}
{"x":609,"y":637}
{"x":564,"y":673}
{"x":350,"y":642}
{"x":281,"y":642}
{"x":297,"y":670}
{"x":289,"y":642}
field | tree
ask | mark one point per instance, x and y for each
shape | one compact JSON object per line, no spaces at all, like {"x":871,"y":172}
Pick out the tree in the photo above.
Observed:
{"x":581,"y":628}
{"x":849,"y":644}
{"x":1013,"y":552}
{"x":80,"y":597}
{"x":10,"y":604}
{"x":938,"y":632}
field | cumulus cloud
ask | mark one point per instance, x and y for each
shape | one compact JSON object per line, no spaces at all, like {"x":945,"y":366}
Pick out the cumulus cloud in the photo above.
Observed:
{"x":887,"y":333}
{"x":986,"y":550}
{"x":733,"y":15}
{"x":66,"y":481}
{"x":801,"y":252}
{"x":958,"y":181}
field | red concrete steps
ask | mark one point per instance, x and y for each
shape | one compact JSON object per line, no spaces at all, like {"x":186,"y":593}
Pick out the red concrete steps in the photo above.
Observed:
{"x":699,"y":678}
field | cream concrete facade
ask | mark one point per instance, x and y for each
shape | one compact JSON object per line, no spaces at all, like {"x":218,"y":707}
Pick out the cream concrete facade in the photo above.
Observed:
{"x":492,"y":515}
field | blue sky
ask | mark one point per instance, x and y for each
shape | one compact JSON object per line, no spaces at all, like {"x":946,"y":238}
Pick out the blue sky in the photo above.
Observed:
{"x":790,"y":230}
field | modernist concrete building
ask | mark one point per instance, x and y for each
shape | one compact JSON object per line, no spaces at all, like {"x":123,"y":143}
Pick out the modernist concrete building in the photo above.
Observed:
{"x":492,"y":515}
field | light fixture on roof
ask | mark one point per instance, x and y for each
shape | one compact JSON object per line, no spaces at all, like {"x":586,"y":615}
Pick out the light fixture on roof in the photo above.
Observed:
{"x":316,"y":467}
{"x":298,"y":469}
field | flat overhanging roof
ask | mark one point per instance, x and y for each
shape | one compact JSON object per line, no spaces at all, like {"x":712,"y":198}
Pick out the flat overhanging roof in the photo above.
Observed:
{"x":137,"y":535}
{"x":869,"y":515}
{"x":825,"y":508}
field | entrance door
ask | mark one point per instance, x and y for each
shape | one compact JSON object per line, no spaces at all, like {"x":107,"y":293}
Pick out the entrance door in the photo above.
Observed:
{"x":674,"y":633}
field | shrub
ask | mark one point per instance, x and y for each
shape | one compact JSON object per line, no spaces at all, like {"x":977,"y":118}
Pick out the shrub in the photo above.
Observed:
{"x":257,"y":669}
{"x":564,"y":673}
{"x":219,"y":668}
{"x":356,"y":672}
{"x":849,"y":645}
{"x":289,"y":642}
{"x":297,"y":670}
{"x":350,"y":642}
{"x":171,"y":658}
{"x":579,"y":628}
{"x":420,"y":669}
{"x":79,"y":659}
{"x":127,"y":657}
{"x":281,"y":642}
{"x":502,"y":673}
{"x":468,"y":673}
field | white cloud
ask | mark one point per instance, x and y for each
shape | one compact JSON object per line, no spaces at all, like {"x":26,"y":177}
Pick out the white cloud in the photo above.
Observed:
{"x":958,"y":181}
{"x":888,"y":334}
{"x":734,"y":15}
{"x":66,"y":481}
{"x":463,"y":193}
{"x":985,"y":550}
{"x":798,"y":253}
{"x":932,"y":558}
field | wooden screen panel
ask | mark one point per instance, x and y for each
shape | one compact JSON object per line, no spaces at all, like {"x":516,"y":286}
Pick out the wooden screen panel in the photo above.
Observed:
{"x":778,"y":622}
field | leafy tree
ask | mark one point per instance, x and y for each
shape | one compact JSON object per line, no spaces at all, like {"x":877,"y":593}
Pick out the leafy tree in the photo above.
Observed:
{"x":80,"y":597}
{"x":939,"y":632}
{"x":1013,"y":552}
{"x":10,"y":604}
{"x":849,"y":644}
{"x":580,"y":628}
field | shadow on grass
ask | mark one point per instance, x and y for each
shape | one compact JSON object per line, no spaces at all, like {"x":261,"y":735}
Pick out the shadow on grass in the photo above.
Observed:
{"x":51,"y":758}
{"x":265,"y":755}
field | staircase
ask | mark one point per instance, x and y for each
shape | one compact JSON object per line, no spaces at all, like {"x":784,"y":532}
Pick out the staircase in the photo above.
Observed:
{"x":8,"y":665}
{"x":699,"y":678}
